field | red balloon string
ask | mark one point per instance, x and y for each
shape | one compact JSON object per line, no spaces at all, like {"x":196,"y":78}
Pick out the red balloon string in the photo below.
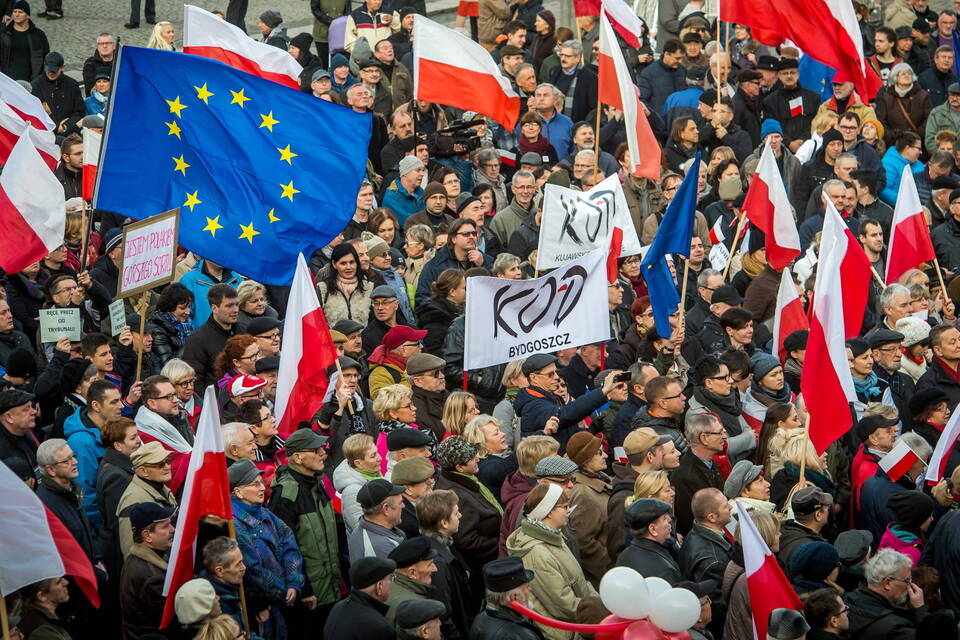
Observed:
{"x":570,"y":626}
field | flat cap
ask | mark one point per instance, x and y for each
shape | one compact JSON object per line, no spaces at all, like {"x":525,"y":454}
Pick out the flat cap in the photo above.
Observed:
{"x":10,"y":398}
{"x":407,"y":437}
{"x":422,"y":362}
{"x":505,"y":574}
{"x":242,"y":472}
{"x":786,"y":624}
{"x":347,"y":326}
{"x":410,"y":471}
{"x":261,"y":325}
{"x":304,"y":440}
{"x":644,"y":511}
{"x":531,"y":157}
{"x":742,"y":474}
{"x":510,"y":50}
{"x":270,"y":363}
{"x":555,"y":467}
{"x":953,"y":88}
{"x":727,"y":293}
{"x":642,"y":440}
{"x":376,"y":491}
{"x":410,"y":552}
{"x":536,"y":362}
{"x":346,"y":362}
{"x":383,"y":291}
{"x":194,"y":601}
{"x":370,"y":570}
{"x":869,"y":424}
{"x":884,"y":336}
{"x":149,"y":453}
{"x":853,"y":545}
{"x":411,"y":614}
{"x":809,"y":499}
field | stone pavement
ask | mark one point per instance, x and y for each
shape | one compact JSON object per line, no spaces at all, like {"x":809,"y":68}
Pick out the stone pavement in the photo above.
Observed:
{"x":75,"y":35}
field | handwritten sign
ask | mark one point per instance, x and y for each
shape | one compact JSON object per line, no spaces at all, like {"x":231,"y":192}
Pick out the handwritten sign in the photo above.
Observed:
{"x":118,"y":317}
{"x":60,"y":323}
{"x":149,"y":253}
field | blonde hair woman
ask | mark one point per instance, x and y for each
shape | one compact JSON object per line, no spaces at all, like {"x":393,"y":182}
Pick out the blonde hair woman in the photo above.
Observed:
{"x":223,"y":627}
{"x":361,"y":464}
{"x":652,"y":484}
{"x":799,"y":448}
{"x":496,"y":459}
{"x":739,"y":622}
{"x":254,"y":303}
{"x":459,"y":408}
{"x":162,"y":37}
{"x":394,"y":409}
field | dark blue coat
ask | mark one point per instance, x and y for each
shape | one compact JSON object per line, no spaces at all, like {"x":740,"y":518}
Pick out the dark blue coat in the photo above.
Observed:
{"x":657,"y":81}
{"x":874,"y":513}
{"x":444,"y":259}
{"x":535,"y":406}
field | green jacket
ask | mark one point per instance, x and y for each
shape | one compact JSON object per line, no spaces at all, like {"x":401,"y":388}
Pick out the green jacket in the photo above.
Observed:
{"x":302,"y":504}
{"x":404,"y":589}
{"x":941,"y":118}
{"x":324,"y":12}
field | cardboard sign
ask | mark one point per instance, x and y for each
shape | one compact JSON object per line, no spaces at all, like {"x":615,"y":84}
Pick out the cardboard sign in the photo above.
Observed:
{"x":118,"y":317}
{"x":149,"y":253}
{"x":60,"y":323}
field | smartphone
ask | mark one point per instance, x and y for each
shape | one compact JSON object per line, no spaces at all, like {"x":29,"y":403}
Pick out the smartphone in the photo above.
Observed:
{"x":623,"y":376}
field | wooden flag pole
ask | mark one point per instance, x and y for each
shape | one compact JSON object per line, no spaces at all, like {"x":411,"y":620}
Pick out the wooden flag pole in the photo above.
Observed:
{"x":243,"y":601}
{"x":943,"y":285}
{"x":733,"y":245}
{"x":142,"y":308}
{"x":85,"y":237}
{"x":4,"y":619}
{"x":683,"y":290}
{"x":596,"y":143}
{"x":802,"y":482}
{"x":719,"y":51}
{"x":876,"y":275}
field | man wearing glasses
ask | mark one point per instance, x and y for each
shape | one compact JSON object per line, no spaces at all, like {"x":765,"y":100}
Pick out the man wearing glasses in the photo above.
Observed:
{"x":698,"y":470}
{"x":151,"y":472}
{"x":891,"y":605}
{"x":160,"y":419}
{"x":461,"y":251}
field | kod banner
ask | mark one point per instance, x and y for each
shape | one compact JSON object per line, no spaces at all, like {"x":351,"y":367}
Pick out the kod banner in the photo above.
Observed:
{"x":512,"y":319}
{"x":575,"y":223}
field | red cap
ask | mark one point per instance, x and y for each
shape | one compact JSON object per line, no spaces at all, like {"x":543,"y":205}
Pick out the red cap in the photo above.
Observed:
{"x":400,"y":334}
{"x":840,"y":77}
{"x":245,"y":384}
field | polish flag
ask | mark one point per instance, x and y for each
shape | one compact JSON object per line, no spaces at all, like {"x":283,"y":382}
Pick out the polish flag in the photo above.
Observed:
{"x":796,"y":106}
{"x":12,"y":126}
{"x":450,"y":68}
{"x":507,"y":157}
{"x":206,"y":492}
{"x":768,"y":207}
{"x":616,"y":89}
{"x":24,"y":104}
{"x":76,"y":563}
{"x":627,"y":23}
{"x":768,"y":587}
{"x":843,"y":280}
{"x":716,"y":232}
{"x":899,"y":460}
{"x":91,"y":159}
{"x":33,"y":212}
{"x":910,"y":243}
{"x":308,"y":350}
{"x":204,"y":34}
{"x":941,"y":454}
{"x":826,"y":30}
{"x":789,"y":316}
{"x":754,"y":413}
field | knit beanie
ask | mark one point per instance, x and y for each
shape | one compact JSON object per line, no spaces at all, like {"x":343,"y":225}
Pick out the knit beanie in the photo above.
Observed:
{"x":433,"y":189}
{"x":830,"y":135}
{"x":910,"y":508}
{"x":271,"y":18}
{"x":763,"y":363}
{"x":770,"y":126}
{"x":302,"y":41}
{"x":72,"y":374}
{"x":814,"y":561}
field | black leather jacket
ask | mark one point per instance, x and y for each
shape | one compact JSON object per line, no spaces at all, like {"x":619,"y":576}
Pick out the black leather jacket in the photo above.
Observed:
{"x":500,"y":624}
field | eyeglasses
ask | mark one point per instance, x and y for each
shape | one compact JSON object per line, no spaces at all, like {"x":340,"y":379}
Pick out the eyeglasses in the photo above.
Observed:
{"x":490,"y":165}
{"x":411,"y":344}
{"x":842,"y":611}
{"x":466,"y":234}
{"x":189,"y":382}
{"x":66,"y":460}
{"x":251,"y":357}
{"x":170,"y":397}
{"x":271,"y":336}
{"x":715,"y":433}
{"x":847,"y":127}
{"x":380,"y":304}
{"x":633,"y":260}
{"x":907,"y":581}
{"x":159,"y":465}
{"x":406,"y":406}
{"x":552,"y":374}
{"x":679,"y":395}
{"x":727,"y":377}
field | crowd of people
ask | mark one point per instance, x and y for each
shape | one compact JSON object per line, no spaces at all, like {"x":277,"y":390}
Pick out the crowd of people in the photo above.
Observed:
{"x":422,"y":500}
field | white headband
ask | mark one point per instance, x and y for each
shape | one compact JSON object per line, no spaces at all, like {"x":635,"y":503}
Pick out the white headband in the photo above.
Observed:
{"x":545,"y":506}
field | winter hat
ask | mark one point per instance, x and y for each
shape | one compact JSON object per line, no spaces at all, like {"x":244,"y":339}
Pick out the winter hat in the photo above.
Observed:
{"x":112,"y":239}
{"x":741,"y":476}
{"x":72,"y":374}
{"x":858,"y":346}
{"x":21,"y":363}
{"x":914,"y":330}
{"x":23,"y":5}
{"x":796,"y":340}
{"x":910,"y":508}
{"x":547,"y":17}
{"x":814,"y":561}
{"x":271,"y":18}
{"x":560,"y":177}
{"x":786,"y":624}
{"x":410,"y":163}
{"x":376,"y":247}
{"x":434,"y":189}
{"x":770,"y":126}
{"x":879,"y":125}
{"x":897,"y":68}
{"x":555,"y":467}
{"x":926,"y":398}
{"x":194,"y":601}
{"x":582,"y":446}
{"x":763,"y":363}
{"x":830,"y":135}
{"x":455,"y":450}
{"x":338,"y":60}
{"x":853,"y":546}
{"x":302,"y":41}
{"x":245,"y":384}
{"x":756,"y":239}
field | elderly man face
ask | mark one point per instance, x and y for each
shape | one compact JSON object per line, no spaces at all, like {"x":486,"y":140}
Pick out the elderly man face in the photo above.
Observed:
{"x":584,"y":138}
{"x":569,"y":59}
{"x":527,"y":80}
{"x":842,"y":90}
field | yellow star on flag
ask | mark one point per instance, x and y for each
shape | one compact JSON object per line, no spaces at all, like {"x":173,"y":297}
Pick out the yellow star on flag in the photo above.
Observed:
{"x":288,"y":191}
{"x":175,"y":106}
{"x":203,"y":93}
{"x":238,"y":98}
{"x":192,"y":201}
{"x":181,"y":165}
{"x":286,"y":155}
{"x":212,"y":225}
{"x":173,"y":129}
{"x":272,"y":217}
{"x":268,"y":121}
{"x":248,"y":232}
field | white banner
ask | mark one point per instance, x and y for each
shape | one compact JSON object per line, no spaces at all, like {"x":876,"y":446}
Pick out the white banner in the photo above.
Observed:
{"x":576,"y":222}
{"x":512,"y":319}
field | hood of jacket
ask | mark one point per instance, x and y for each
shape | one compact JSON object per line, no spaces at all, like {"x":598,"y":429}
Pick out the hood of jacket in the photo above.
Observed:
{"x":437,"y":310}
{"x":345,"y":475}
{"x":528,"y":536}
{"x":516,"y":484}
{"x":78,"y":424}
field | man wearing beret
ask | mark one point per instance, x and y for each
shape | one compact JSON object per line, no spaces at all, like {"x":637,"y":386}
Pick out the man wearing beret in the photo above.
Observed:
{"x":360,"y":616}
{"x":18,"y":417}
{"x":887,"y":354}
{"x":413,"y":579}
{"x":792,"y":105}
{"x":650,"y":523}
{"x":301,"y":502}
{"x":419,"y":619}
{"x":506,"y":581}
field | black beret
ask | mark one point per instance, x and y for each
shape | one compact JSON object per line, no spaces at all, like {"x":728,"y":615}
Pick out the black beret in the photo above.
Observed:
{"x":406,"y":437}
{"x":270,"y":363}
{"x":411,"y":614}
{"x":944,"y":182}
{"x":881,"y":337}
{"x":504,"y":574}
{"x":72,"y":374}
{"x":370,"y":570}
{"x":858,"y":346}
{"x":10,"y":398}
{"x":797,"y":340}
{"x":927,"y":398}
{"x":410,"y":552}
{"x":644,"y":511}
{"x":262,"y":325}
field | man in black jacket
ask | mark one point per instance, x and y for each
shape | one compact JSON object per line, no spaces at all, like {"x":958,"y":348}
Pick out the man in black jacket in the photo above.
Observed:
{"x":938,"y":77}
{"x":891,"y":606}
{"x":60,"y":95}
{"x":650,"y":523}
{"x":506,"y":581}
{"x":100,"y":62}
{"x":23,"y":46}
{"x":792,"y":105}
{"x":697,"y":468}
{"x":811,"y":512}
{"x":827,"y":614}
{"x":17,"y":420}
{"x":577,"y":81}
{"x":941,"y":373}
{"x":70,"y":171}
{"x":144,"y":570}
{"x":360,"y":616}
{"x":204,"y":344}
{"x":706,"y":549}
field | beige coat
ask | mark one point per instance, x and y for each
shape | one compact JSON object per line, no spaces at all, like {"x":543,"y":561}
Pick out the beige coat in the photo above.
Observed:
{"x":139,"y":490}
{"x":494,"y":15}
{"x":589,"y":522}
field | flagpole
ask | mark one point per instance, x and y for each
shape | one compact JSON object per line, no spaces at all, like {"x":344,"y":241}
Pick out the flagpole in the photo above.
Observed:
{"x":683,"y":291}
{"x":943,"y":286}
{"x":596,"y":143}
{"x":4,"y":620}
{"x":733,"y":246}
{"x":85,"y":238}
{"x":876,"y":275}
{"x":243,"y":601}
{"x":142,"y":308}
{"x":719,"y":51}
{"x":802,"y":482}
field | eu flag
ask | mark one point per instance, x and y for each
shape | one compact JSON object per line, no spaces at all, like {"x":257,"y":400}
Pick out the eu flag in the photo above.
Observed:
{"x":673,"y":237}
{"x":260,"y":171}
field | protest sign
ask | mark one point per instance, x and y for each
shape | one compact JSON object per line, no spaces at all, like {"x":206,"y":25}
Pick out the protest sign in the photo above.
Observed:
{"x":118,"y":317}
{"x":60,"y":323}
{"x":511,"y":319}
{"x":149,"y":253}
{"x":575,"y":223}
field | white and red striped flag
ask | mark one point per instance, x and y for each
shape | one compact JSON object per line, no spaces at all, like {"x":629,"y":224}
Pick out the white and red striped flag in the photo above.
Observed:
{"x":91,"y":160}
{"x":616,"y":89}
{"x":33,"y":212}
{"x":768,"y":587}
{"x":206,"y":492}
{"x":941,"y":453}
{"x":789,"y":316}
{"x":308,"y":351}
{"x":910,"y":243}
{"x":627,"y":23}
{"x":206,"y":35}
{"x":24,"y":104}
{"x":12,"y":126}
{"x":768,"y":207}
{"x":450,"y":68}
{"x":899,"y":460}
{"x":716,"y":232}
{"x":843,"y":281}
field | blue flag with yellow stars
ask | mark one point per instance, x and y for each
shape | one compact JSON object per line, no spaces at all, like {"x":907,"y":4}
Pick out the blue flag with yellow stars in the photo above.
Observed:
{"x":260,"y":171}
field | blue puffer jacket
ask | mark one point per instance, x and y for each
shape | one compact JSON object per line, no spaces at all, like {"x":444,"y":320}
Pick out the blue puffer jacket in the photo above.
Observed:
{"x":84,"y":438}
{"x":894,"y":163}
{"x":535,"y":406}
{"x":199,"y":282}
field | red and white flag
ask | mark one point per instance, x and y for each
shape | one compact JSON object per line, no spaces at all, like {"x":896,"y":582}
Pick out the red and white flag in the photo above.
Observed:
{"x":826,"y":30}
{"x":789,"y":316}
{"x":941,"y":453}
{"x":206,"y":492}
{"x":768,"y":587}
{"x":716,"y":232}
{"x":307,"y":351}
{"x":768,"y":207}
{"x":627,"y":23}
{"x":91,"y":160}
{"x":796,"y":106}
{"x":12,"y":126}
{"x":450,"y":68}
{"x":507,"y":157}
{"x":899,"y":460}
{"x":616,"y":89}
{"x":24,"y":104}
{"x":910,"y":243}
{"x":843,"y":281}
{"x":33,"y":212}
{"x":204,"y":34}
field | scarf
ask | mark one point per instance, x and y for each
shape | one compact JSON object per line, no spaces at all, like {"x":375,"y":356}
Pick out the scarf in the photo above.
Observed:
{"x":182,"y":329}
{"x":954,"y":374}
{"x":370,"y":475}
{"x":511,"y":394}
{"x":347,"y":287}
{"x":919,"y":360}
{"x":540,"y":146}
{"x":728,"y":408}
{"x":34,"y":289}
{"x":793,"y":367}
{"x":484,"y":491}
{"x":381,"y":356}
{"x":902,"y":92}
{"x":766,"y":397}
{"x":751,"y":266}
{"x":389,"y":425}
{"x":869,"y":387}
{"x":154,"y":425}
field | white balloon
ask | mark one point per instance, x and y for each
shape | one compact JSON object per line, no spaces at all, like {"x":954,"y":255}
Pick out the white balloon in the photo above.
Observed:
{"x":675,"y":610}
{"x":624,"y":593}
{"x":656,"y":586}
